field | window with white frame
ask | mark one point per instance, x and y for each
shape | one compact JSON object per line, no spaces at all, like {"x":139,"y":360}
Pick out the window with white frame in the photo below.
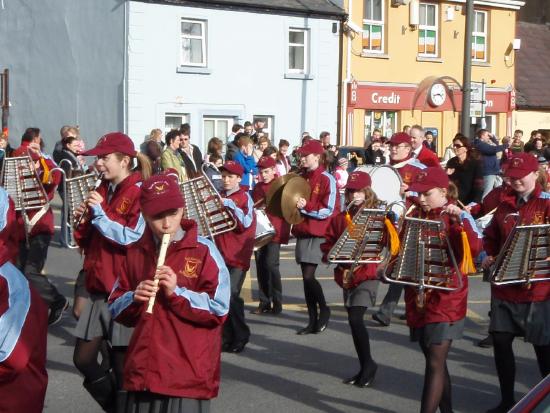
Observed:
{"x":373,"y":26}
{"x":479,"y":37}
{"x":428,"y":30}
{"x":269,"y":123}
{"x":216,"y":126}
{"x":174,"y":120}
{"x":298,"y":50}
{"x":193,"y":43}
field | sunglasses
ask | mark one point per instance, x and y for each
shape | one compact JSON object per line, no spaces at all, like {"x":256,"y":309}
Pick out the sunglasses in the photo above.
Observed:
{"x":457,"y":145}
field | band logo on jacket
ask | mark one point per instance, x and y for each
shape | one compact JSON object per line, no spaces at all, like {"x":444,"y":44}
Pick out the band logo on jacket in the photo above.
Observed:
{"x":538,"y":218}
{"x":190,"y":269}
{"x":124,"y":206}
{"x":317,"y":189}
{"x":407,"y":177}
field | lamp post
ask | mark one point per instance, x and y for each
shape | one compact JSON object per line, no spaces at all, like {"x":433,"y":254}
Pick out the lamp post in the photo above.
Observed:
{"x":467,"y":74}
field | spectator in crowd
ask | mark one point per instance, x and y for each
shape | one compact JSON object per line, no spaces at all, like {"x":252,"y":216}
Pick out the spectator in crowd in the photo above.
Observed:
{"x":306,"y":137}
{"x":153,"y":148}
{"x":258,"y":130}
{"x":341,"y":176}
{"x":283,"y":161}
{"x":429,"y":142}
{"x":420,"y":151}
{"x":406,"y":129}
{"x":214,"y":147}
{"x":324,"y":137}
{"x":506,"y":153}
{"x":540,"y":148}
{"x":328,"y":160}
{"x":529,"y":146}
{"x":212,"y":171}
{"x":5,"y":148}
{"x":232,"y":147}
{"x":245,"y":158}
{"x":374,"y":155}
{"x":517,"y":142}
{"x":488,"y":147}
{"x":270,"y":151}
{"x":263,"y":144}
{"x":171,"y":157}
{"x":65,"y":132}
{"x":248,"y":128}
{"x":191,"y":154}
{"x":465,"y":170}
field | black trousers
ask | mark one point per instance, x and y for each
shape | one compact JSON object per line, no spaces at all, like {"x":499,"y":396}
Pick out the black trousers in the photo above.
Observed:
{"x":235,"y":329}
{"x":270,"y":288}
{"x":31,"y":262}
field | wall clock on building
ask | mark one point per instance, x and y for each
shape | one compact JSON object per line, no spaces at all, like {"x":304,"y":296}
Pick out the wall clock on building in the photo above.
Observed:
{"x":437,"y":95}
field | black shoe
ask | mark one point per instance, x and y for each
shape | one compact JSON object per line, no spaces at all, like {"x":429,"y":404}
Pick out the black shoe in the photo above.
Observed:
{"x":262,"y":309}
{"x":352,"y":380}
{"x":324,"y":318}
{"x":382,"y":321}
{"x":239,"y":347}
{"x":487,"y":342}
{"x":56,"y":311}
{"x":309,"y":329}
{"x":403,"y":317}
{"x":367,"y":378}
{"x":502,"y":407}
{"x":277,"y":308}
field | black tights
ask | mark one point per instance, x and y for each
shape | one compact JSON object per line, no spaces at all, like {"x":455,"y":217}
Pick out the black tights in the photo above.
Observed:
{"x":360,"y":336}
{"x":313,"y":291}
{"x":506,"y":364}
{"x":437,"y":382}
{"x":85,"y":360}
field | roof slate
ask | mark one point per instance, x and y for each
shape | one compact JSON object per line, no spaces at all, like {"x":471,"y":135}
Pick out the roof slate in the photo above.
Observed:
{"x":328,"y":8}
{"x":532,"y":66}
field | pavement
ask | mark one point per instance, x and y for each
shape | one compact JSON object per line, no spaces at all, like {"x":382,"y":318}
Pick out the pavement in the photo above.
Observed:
{"x":280,"y":370}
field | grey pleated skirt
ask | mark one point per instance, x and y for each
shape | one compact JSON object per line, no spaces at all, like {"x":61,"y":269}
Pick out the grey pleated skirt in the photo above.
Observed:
{"x":308,"y":250}
{"x":364,"y":295}
{"x":95,"y":321}
{"x":436,"y":333}
{"x":147,"y":402}
{"x":528,"y":320}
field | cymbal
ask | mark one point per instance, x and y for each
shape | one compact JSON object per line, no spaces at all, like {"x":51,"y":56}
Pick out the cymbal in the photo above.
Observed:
{"x":276,"y":185}
{"x":296,"y":188}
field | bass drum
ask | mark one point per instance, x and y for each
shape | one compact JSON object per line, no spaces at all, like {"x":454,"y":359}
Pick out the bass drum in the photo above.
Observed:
{"x":386,"y":183}
{"x":265,"y":231}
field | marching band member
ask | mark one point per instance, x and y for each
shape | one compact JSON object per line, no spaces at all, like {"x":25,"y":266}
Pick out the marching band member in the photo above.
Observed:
{"x":360,"y":287}
{"x":267,"y":257}
{"x":114,"y":222}
{"x":236,"y":248}
{"x":173,"y":361}
{"x":518,"y":310}
{"x":35,"y":237}
{"x":24,"y":322}
{"x":402,"y":159}
{"x":441,"y":319}
{"x":310,"y":233}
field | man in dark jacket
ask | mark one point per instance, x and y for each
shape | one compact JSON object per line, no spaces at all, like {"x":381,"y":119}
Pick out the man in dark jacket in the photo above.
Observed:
{"x":488,"y":146}
{"x":191,"y":154}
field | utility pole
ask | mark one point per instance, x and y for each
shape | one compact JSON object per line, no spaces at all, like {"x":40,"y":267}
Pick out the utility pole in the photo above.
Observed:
{"x":467,"y":74}
{"x":4,"y":99}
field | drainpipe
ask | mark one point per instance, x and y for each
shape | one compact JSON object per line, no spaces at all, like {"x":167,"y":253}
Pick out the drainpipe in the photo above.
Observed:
{"x":346,"y":140}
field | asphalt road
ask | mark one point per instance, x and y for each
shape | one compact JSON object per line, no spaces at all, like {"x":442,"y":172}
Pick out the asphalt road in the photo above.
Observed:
{"x":282,"y":371}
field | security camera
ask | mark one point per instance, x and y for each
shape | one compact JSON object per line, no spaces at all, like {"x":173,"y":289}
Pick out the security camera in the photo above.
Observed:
{"x":354,"y":27}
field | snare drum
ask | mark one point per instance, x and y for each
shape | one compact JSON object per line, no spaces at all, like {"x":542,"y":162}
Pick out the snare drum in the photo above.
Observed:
{"x":265,"y":231}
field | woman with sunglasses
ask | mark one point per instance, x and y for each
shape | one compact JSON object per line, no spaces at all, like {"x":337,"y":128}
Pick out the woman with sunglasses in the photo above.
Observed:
{"x":465,"y":170}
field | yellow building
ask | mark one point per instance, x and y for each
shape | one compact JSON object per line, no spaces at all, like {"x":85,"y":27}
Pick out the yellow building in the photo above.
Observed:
{"x":403,"y":65}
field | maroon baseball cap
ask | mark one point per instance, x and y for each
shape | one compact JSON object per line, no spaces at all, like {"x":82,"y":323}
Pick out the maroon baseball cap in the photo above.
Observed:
{"x":160,"y":193}
{"x":520,"y":165}
{"x":111,"y":143}
{"x":358,"y":180}
{"x":233,"y":168}
{"x":399,"y":138}
{"x":429,"y":178}
{"x":266,"y":162}
{"x":312,"y":146}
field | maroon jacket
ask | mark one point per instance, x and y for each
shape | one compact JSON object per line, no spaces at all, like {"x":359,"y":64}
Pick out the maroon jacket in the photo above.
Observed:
{"x":236,"y":246}
{"x":444,"y":306}
{"x":174,"y":351}
{"x":23,"y":375}
{"x":9,"y":239}
{"x":322,"y":205}
{"x":114,"y":226}
{"x":535,"y":211}
{"x":364,"y":272}
{"x":282,"y":228}
{"x":428,"y":157}
{"x":45,"y":224}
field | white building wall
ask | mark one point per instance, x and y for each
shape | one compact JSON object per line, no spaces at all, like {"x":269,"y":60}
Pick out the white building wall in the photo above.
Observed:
{"x":247,"y":58}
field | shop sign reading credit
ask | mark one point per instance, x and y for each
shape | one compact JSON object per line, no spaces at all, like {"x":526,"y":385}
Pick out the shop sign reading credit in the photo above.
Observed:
{"x":392,"y":99}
